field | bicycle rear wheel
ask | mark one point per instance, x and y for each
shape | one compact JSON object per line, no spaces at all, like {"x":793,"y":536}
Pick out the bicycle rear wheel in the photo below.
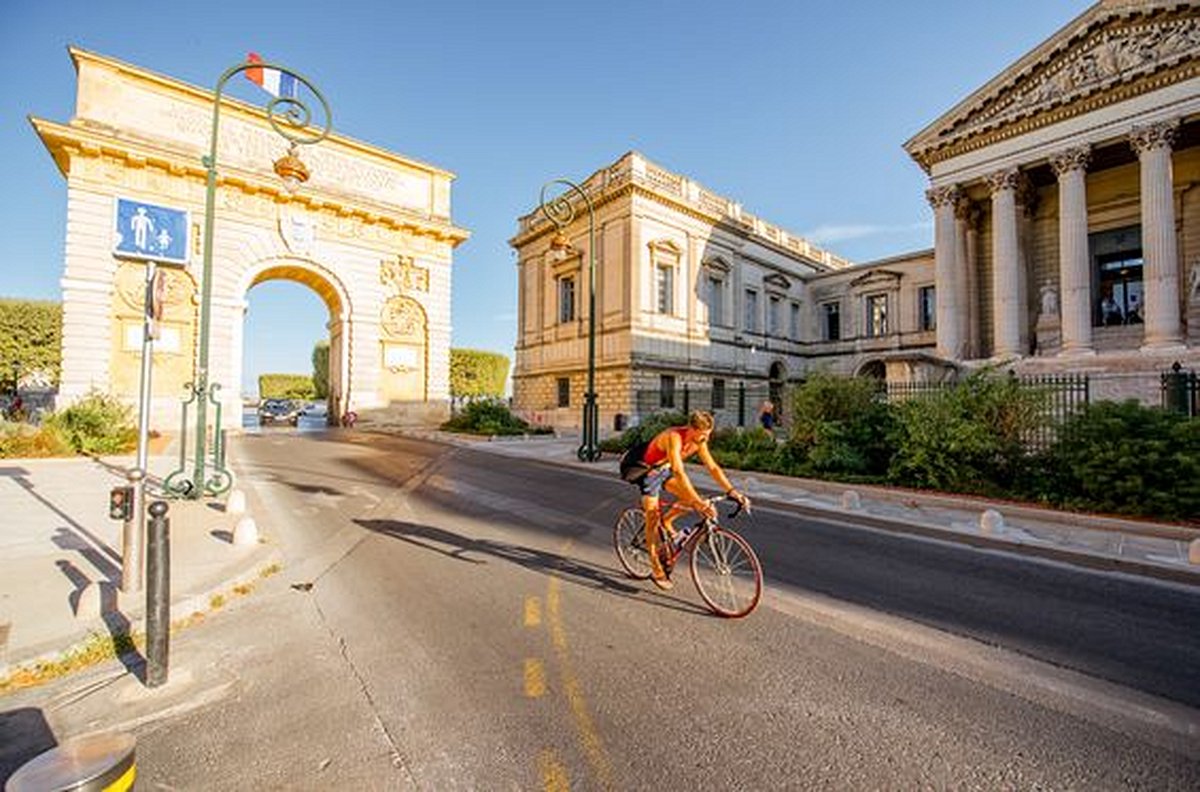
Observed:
{"x":629,"y":540}
{"x":726,"y":573}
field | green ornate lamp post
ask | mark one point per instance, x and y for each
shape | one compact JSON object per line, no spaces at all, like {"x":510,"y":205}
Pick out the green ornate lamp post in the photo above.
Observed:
{"x":561,"y":212}
{"x":291,"y":118}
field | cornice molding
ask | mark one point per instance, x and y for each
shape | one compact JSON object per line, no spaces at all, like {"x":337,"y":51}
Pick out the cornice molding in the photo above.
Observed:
{"x":1106,"y":56}
{"x":65,"y":142}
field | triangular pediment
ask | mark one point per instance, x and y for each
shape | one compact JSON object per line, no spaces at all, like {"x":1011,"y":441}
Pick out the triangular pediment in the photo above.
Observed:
{"x":778,"y":281}
{"x":879,"y":277}
{"x":1115,"y":50}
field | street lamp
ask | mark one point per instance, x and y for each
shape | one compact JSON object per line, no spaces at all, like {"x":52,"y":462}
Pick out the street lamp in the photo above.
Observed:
{"x":561,"y":212}
{"x":290,"y":117}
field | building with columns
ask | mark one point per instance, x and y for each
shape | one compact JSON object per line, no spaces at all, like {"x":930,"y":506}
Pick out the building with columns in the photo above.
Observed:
{"x":1067,"y":219}
{"x":1066,"y":241}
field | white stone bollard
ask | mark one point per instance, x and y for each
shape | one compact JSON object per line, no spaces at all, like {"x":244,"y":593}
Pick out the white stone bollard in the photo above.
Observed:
{"x":246,"y":532}
{"x":991,"y":522}
{"x":851,"y":501}
{"x":236,"y":503}
{"x":1194,"y":552}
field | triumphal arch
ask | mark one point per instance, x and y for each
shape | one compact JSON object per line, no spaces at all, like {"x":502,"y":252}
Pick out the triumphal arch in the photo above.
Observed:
{"x":369,"y":232}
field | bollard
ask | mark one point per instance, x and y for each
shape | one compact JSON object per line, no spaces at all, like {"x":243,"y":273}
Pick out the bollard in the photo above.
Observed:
{"x":991,"y":523}
{"x":93,"y":763}
{"x":158,"y":595}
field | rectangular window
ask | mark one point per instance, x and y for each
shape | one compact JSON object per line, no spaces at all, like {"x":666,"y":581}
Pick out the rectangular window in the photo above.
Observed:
{"x":666,"y":290}
{"x":716,"y":302}
{"x":666,"y":391}
{"x":564,"y":392}
{"x":718,"y":399}
{"x":1121,"y":288}
{"x":831,"y":321}
{"x":794,"y":323}
{"x":773,"y":308}
{"x":566,"y":300}
{"x":877,"y":315}
{"x":751,"y":318}
{"x":927,"y":300}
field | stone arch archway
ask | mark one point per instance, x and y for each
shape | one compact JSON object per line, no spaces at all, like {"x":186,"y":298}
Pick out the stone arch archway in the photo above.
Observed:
{"x":875,"y":369}
{"x":332,"y":292}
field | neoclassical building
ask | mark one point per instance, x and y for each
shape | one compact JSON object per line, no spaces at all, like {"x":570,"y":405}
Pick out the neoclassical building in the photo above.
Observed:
{"x":1066,"y":208}
{"x":1067,"y":240}
{"x":693,"y":293}
{"x":370,"y":233}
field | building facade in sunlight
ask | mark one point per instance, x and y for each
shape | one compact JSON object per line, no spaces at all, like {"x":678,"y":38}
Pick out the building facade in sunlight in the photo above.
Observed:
{"x":1067,"y":241}
{"x":699,"y":303}
{"x":370,"y":233}
{"x":1067,"y":219}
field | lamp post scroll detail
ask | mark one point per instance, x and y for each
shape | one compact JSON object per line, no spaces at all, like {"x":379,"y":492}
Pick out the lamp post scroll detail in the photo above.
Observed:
{"x":561,"y":211}
{"x":292,"y":119}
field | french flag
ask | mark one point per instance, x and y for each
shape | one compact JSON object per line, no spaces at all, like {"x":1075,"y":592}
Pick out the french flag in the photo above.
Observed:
{"x":272,"y":81}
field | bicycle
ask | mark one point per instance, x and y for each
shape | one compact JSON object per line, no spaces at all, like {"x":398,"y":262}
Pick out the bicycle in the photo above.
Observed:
{"x":724,"y":568}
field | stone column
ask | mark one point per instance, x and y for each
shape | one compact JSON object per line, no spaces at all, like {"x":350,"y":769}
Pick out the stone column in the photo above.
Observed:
{"x":946,"y":271}
{"x":1074,"y":275}
{"x":1159,"y":249}
{"x":1006,"y":265}
{"x":966,"y":282}
{"x":972,"y":221}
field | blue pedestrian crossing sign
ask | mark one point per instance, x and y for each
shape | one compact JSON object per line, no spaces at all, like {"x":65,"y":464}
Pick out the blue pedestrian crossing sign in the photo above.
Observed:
{"x":149,"y":231}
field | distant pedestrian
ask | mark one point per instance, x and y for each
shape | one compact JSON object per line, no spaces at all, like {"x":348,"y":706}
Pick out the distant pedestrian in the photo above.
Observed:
{"x":766,"y":415}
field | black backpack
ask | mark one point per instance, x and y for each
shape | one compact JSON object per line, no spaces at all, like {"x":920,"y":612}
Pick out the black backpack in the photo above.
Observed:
{"x":632,"y":466}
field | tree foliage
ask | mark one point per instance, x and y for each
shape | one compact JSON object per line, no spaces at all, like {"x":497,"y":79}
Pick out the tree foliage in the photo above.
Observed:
{"x":285,"y":386}
{"x":475,"y":373}
{"x":31,"y":337}
{"x":320,"y":364}
{"x":840,"y":426}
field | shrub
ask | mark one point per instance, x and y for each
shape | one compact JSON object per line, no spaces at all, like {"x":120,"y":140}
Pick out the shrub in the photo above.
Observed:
{"x":648,"y":428}
{"x":96,"y":424}
{"x":747,"y":449}
{"x":24,"y":441}
{"x":475,"y":373}
{"x":490,"y":417}
{"x":840,"y":426}
{"x":1126,"y":459}
{"x":966,"y":438}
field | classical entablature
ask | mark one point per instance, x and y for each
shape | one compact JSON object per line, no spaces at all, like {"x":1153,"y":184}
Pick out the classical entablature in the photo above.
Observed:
{"x":1114,"y":51}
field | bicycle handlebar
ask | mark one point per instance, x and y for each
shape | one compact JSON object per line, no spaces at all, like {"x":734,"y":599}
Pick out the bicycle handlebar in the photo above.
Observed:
{"x":737,"y":509}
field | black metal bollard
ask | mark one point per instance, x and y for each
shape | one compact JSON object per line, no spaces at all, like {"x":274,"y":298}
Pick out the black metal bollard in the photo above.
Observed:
{"x":158,"y":594}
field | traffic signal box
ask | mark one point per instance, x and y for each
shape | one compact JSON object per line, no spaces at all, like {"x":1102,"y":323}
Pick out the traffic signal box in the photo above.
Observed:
{"x":120,"y":503}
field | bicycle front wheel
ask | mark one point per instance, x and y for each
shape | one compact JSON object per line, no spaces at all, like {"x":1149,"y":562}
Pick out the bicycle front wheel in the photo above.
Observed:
{"x":726,"y":573}
{"x":629,"y":540}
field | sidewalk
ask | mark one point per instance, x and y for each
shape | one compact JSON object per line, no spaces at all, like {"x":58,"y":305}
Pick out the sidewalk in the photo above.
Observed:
{"x":1165,"y":551}
{"x":60,"y":555}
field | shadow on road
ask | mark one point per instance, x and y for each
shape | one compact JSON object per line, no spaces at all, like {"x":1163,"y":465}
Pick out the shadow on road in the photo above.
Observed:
{"x":24,"y":734}
{"x":459,"y":547}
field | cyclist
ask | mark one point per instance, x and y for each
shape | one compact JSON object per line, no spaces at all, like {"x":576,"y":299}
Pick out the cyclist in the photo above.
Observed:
{"x":662,"y":460}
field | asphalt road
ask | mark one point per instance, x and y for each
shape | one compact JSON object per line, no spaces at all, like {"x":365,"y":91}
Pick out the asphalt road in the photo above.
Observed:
{"x":450,"y":619}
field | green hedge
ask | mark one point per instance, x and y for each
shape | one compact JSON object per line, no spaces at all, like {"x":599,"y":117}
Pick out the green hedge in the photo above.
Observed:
{"x":285,"y":386}
{"x":31,"y":336}
{"x":475,"y":373}
{"x":490,"y":417}
{"x":320,"y":375}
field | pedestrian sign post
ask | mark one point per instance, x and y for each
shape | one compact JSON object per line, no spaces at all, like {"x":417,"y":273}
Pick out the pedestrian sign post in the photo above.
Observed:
{"x":151,"y":232}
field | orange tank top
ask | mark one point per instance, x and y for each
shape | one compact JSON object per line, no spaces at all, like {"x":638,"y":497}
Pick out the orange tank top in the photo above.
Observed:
{"x":654,"y":455}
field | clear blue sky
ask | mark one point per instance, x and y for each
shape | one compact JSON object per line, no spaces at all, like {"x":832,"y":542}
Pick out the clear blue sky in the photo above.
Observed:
{"x":796,"y":109}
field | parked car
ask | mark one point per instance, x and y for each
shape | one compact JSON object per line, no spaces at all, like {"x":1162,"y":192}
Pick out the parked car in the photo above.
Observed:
{"x":315,"y":410}
{"x":278,"y":411}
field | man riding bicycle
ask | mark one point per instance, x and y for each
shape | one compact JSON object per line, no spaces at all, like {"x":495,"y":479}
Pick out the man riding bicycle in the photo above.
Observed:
{"x":662,"y":462}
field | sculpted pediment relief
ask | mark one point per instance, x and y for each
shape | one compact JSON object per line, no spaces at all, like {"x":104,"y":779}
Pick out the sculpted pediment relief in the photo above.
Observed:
{"x":1112,"y":45}
{"x":778,"y":281}
{"x":876,"y":278}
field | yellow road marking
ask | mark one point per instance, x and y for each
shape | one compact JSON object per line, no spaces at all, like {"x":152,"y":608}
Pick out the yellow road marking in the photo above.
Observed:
{"x":535,"y":678}
{"x":554,"y":775}
{"x":592,"y":744}
{"x":533,"y":612}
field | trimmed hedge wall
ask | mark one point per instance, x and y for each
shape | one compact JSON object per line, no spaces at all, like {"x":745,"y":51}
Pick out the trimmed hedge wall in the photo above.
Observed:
{"x":31,"y":336}
{"x":285,"y":386}
{"x":475,"y":373}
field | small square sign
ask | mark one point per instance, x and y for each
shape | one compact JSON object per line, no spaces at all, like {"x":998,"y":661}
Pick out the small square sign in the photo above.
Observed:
{"x":151,"y":232}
